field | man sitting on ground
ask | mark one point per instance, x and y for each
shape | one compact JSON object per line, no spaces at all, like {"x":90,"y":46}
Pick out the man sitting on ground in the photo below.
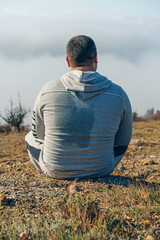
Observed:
{"x":82,"y":122}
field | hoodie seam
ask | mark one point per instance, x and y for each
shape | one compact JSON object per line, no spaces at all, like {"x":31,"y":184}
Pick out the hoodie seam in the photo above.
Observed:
{"x":113,"y":94}
{"x":66,"y":91}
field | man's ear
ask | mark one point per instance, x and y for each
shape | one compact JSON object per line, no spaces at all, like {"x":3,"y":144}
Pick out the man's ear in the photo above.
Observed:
{"x":96,"y":58}
{"x":68,"y":62}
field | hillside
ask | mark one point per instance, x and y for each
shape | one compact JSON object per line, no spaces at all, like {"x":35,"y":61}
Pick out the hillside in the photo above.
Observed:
{"x":125,"y":205}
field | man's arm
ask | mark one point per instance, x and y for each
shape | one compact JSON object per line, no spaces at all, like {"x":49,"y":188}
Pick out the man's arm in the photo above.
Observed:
{"x":124,"y":133}
{"x":38,"y":129}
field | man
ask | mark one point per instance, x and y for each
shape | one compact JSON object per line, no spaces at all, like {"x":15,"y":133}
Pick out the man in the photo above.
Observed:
{"x":82,"y":122}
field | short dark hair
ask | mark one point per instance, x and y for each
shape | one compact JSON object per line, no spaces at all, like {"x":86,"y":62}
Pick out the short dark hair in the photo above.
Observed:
{"x":81,"y":50}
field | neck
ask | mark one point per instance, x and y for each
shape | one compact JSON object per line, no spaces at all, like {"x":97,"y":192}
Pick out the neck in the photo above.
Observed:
{"x":84,"y":68}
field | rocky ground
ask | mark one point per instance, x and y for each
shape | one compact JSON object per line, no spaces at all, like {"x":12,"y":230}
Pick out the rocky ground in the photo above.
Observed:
{"x":125,"y":205}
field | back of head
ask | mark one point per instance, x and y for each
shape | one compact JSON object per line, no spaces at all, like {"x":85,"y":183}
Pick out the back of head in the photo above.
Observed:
{"x":81,"y":51}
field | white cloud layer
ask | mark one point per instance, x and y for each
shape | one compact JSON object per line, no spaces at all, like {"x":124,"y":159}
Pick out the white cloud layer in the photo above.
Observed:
{"x":25,"y":35}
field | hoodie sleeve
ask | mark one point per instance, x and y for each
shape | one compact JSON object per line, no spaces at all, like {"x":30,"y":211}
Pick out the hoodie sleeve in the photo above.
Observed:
{"x":124,"y":133}
{"x":38,"y":129}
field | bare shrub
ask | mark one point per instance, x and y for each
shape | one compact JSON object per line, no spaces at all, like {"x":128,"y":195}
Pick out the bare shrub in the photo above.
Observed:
{"x":5,"y":128}
{"x":14,"y":115}
{"x":136,"y":118}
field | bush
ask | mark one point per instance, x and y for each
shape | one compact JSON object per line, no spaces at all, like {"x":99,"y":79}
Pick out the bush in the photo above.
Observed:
{"x":14,"y":115}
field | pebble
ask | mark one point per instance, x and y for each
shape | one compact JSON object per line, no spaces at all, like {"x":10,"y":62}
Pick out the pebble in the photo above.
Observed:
{"x":23,"y":236}
{"x":73,"y":188}
{"x":3,"y":199}
{"x":149,"y":237}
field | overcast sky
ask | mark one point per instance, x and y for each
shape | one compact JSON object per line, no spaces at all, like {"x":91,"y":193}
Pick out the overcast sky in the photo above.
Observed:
{"x":33,"y":37}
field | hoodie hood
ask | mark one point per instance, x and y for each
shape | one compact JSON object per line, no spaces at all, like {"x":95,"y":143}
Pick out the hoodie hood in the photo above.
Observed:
{"x":84,"y":85}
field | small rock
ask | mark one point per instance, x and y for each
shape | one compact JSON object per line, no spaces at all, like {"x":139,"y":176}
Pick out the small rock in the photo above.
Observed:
{"x":53,"y":237}
{"x":3,"y":199}
{"x":149,"y":237}
{"x":73,"y":188}
{"x":23,"y":236}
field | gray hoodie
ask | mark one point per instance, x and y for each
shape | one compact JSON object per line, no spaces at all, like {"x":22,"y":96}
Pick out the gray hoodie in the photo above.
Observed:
{"x":85,"y":124}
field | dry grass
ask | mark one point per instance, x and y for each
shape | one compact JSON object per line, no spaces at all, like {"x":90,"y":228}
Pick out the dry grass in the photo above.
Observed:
{"x":125,"y":205}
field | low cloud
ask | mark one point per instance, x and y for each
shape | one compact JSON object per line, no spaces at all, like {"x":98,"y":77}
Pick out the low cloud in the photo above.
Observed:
{"x":128,"y":46}
{"x":27,"y":37}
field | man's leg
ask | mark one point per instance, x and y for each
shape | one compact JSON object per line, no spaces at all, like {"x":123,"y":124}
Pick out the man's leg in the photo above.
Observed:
{"x":119,"y":152}
{"x":34,"y":147}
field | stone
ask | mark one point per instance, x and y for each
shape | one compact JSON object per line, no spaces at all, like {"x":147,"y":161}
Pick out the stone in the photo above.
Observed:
{"x":3,"y":199}
{"x":149,"y":237}
{"x":23,"y":236}
{"x":73,"y":188}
